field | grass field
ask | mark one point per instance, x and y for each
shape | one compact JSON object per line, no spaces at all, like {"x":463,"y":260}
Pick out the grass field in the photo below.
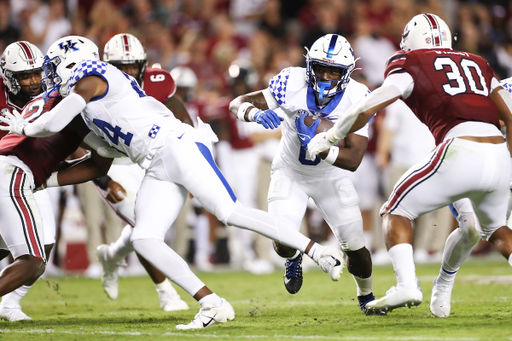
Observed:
{"x":78,"y":309}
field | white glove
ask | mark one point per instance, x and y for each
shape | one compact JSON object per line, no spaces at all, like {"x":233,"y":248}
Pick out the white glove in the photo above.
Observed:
{"x":318,"y":144}
{"x":15,"y":122}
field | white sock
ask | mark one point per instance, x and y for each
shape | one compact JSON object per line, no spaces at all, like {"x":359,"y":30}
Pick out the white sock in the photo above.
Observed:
{"x":315,"y":251}
{"x":458,"y":247}
{"x":13,"y":299}
{"x":214,"y":299}
{"x":364,"y":285}
{"x":166,"y":286}
{"x":403,"y":264}
{"x":510,"y":259}
{"x":158,"y":253}
{"x":269,"y":226}
{"x":122,"y":246}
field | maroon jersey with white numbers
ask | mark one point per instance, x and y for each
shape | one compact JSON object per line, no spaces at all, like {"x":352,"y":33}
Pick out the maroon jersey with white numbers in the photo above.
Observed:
{"x":450,"y":87}
{"x":159,"y":84}
{"x":41,"y":154}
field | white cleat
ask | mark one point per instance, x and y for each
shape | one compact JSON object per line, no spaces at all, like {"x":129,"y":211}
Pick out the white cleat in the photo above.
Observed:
{"x":440,"y":301}
{"x":109,"y":275}
{"x":13,"y":314}
{"x":170,"y":301}
{"x":209,"y":316}
{"x":331,"y":260}
{"x":397,"y":298}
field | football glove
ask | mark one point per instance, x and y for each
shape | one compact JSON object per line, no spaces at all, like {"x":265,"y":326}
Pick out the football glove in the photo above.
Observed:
{"x":267,"y":118}
{"x":304,"y":132}
{"x":15,"y":122}
{"x":318,"y":144}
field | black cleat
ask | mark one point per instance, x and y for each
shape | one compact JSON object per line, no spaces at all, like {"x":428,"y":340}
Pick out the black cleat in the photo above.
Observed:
{"x":363,"y":300}
{"x":293,"y":274}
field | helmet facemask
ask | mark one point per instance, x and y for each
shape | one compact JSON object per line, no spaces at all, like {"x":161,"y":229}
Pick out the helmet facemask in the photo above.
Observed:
{"x":330,"y":51}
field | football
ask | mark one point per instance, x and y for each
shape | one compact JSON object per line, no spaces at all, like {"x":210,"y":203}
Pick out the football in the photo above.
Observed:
{"x":325,"y":124}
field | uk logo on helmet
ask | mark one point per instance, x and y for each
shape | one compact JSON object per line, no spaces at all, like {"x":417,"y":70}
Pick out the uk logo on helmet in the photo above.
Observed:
{"x":68,"y":46}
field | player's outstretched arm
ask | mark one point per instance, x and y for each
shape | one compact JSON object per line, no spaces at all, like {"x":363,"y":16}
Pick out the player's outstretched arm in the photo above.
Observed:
{"x":355,"y":118}
{"x":89,"y":169}
{"x":253,"y":107}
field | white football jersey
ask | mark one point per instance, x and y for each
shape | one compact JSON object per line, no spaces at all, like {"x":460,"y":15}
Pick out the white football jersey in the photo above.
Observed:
{"x":124,"y":116}
{"x":290,"y":92}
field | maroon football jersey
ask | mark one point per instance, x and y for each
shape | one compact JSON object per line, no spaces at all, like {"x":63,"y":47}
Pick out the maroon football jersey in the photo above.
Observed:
{"x":41,"y":154}
{"x":159,"y":84}
{"x":237,"y":137}
{"x":450,"y":87}
{"x":4,"y":104}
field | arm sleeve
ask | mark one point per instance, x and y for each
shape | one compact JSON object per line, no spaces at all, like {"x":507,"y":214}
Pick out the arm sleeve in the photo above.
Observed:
{"x":403,"y":81}
{"x":57,"y":118}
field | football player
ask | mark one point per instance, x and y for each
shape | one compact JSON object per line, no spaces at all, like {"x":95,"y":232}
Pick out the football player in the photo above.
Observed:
{"x":457,"y":96}
{"x":126,"y":52}
{"x":22,"y":66}
{"x":25,"y":165}
{"x":322,"y":89}
{"x":176,"y":159}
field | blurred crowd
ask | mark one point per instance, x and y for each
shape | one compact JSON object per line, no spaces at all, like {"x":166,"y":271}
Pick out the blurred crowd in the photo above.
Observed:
{"x":208,"y":35}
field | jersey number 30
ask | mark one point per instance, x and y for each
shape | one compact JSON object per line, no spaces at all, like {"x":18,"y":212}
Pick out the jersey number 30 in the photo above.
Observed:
{"x":457,"y":85}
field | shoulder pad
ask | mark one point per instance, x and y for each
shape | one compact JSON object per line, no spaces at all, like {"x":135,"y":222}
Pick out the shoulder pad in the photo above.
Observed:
{"x":87,"y":68}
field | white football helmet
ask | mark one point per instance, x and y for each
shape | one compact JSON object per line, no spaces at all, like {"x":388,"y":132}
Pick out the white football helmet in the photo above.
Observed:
{"x":185,"y":78}
{"x":125,"y":48}
{"x":331,"y":50}
{"x":19,"y":57}
{"x":62,"y":56}
{"x":426,"y":31}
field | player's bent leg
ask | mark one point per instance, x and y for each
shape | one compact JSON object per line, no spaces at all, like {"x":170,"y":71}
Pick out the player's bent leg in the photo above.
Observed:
{"x":399,"y":239}
{"x":458,"y":247}
{"x":329,"y":259}
{"x":24,"y":270}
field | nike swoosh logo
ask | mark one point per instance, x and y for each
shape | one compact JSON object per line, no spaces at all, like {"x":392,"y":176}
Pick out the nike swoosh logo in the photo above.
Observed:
{"x":179,"y":137}
{"x":302,"y":137}
{"x":211,"y":319}
{"x":286,"y":280}
{"x":338,"y":263}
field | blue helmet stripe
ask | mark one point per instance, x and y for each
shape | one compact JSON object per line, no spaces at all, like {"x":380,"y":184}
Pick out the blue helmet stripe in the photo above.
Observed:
{"x":332,"y":44}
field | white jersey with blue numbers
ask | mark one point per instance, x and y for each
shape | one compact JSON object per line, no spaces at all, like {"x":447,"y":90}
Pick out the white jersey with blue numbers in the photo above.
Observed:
{"x":124,"y":116}
{"x":289,"y":92}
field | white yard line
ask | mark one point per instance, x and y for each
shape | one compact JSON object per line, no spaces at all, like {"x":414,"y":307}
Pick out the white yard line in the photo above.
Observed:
{"x":202,"y":335}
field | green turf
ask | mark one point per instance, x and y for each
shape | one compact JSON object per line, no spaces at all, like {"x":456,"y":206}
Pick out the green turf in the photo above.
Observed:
{"x":77,"y":309}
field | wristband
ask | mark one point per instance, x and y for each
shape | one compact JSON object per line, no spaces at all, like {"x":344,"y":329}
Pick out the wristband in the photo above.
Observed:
{"x":252,"y":112}
{"x":52,"y":180}
{"x":333,"y":155}
{"x":240,"y":114}
{"x":102,"y":182}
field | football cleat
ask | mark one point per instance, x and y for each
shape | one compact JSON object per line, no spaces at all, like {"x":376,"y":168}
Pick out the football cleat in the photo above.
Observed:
{"x":363,"y":300}
{"x":171,"y":301}
{"x":109,"y":275}
{"x":396,"y":298}
{"x":331,"y":260}
{"x":441,"y":296}
{"x":13,"y":314}
{"x":209,"y":316}
{"x":293,"y":274}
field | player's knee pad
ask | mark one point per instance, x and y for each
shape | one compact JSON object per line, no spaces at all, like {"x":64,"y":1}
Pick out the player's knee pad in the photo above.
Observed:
{"x":350,"y":236}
